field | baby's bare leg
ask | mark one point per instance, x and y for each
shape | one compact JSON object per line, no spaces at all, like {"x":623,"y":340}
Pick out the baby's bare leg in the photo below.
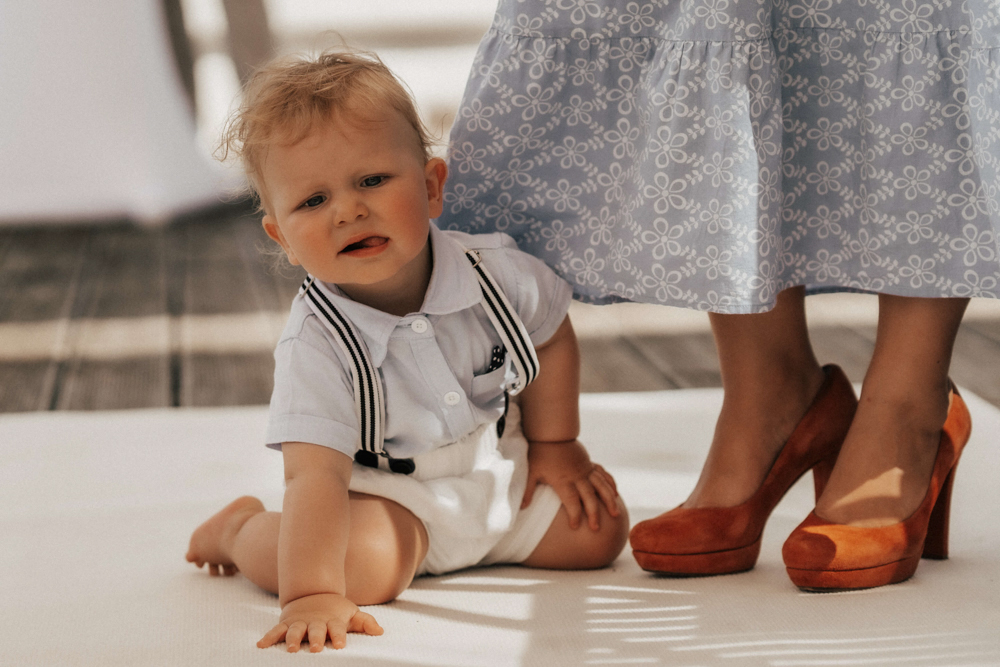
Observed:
{"x":565,"y":548}
{"x":386,"y":545}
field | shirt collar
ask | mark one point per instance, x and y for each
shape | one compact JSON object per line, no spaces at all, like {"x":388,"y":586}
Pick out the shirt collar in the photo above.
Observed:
{"x":453,"y":287}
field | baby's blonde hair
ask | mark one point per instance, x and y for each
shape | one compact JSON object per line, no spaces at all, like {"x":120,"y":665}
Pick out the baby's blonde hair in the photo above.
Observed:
{"x":284,"y":100}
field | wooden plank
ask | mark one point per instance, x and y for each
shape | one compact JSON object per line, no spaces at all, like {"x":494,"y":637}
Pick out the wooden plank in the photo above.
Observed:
{"x":609,"y":365}
{"x":226,"y":379}
{"x":685,"y":361}
{"x":39,"y":272}
{"x":116,"y":384}
{"x":123,"y":275}
{"x":849,"y":347}
{"x":274,"y":281}
{"x":219,"y":276}
{"x":269,"y":265}
{"x":26,"y":385}
{"x":230,"y":279}
{"x":218,"y":286}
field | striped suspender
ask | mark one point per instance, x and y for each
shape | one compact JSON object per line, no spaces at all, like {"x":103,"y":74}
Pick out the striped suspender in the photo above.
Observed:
{"x":368,"y":394}
{"x":508,"y":325}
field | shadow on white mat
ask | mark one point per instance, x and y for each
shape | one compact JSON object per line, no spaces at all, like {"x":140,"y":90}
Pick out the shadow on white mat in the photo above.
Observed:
{"x":97,"y":509}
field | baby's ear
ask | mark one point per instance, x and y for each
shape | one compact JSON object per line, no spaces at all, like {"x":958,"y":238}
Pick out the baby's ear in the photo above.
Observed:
{"x":272,"y":230}
{"x":435,"y":174}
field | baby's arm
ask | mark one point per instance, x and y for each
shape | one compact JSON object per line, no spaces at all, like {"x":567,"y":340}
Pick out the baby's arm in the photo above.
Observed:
{"x":550,"y":418}
{"x":312,"y":546}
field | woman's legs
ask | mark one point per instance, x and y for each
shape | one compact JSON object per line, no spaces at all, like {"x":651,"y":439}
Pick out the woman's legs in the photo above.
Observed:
{"x":884,"y":467}
{"x":386,"y":545}
{"x":770,"y":377}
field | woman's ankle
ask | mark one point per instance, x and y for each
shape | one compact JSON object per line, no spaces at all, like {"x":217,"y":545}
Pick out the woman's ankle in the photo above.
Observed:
{"x":886,"y":462}
{"x":756,"y":420}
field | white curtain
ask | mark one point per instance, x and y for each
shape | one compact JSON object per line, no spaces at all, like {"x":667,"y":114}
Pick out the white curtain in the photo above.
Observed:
{"x":93,"y":120}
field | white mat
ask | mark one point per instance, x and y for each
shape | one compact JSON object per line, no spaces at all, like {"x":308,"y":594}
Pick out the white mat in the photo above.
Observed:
{"x":98,"y":507}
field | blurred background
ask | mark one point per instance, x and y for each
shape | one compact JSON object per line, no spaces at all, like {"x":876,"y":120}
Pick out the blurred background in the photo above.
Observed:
{"x":131,"y":271}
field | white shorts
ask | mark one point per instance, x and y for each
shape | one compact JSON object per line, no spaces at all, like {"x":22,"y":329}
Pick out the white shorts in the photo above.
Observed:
{"x":468,"y":496}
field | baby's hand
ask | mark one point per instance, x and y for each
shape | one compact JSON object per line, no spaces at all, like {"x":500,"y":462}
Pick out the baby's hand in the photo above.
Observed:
{"x":579,"y":483}
{"x":317,"y":616}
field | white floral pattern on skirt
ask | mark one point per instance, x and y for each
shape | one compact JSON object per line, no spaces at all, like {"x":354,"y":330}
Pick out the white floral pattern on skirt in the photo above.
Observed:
{"x":710,"y":153}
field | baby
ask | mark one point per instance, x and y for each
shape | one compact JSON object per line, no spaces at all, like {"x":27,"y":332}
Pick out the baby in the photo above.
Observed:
{"x":415,"y":437}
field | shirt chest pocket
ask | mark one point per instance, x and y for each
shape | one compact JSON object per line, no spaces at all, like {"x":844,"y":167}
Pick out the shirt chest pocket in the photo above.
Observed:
{"x":488,"y":387}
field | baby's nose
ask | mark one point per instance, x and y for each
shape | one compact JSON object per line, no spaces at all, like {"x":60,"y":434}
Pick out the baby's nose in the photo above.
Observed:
{"x":350,"y":209}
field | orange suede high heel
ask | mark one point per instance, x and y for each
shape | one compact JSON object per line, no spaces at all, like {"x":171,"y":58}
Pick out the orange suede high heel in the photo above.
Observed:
{"x":723,"y":540}
{"x":824,"y":556}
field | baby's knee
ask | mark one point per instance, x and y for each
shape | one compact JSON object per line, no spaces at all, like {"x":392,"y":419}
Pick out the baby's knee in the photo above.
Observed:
{"x":581,"y":548}
{"x":383,"y":553}
{"x":378,"y":567}
{"x":612,"y":536}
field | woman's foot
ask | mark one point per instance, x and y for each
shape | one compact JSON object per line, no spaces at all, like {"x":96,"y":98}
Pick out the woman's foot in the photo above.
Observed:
{"x":821,"y":555}
{"x":770,"y":377}
{"x":886,"y":462}
{"x":752,"y":428}
{"x":725,"y":539}
{"x":211,"y":542}
{"x":885,"y":465}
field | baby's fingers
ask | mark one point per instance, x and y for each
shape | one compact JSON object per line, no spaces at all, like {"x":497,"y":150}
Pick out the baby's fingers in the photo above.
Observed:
{"x":317,"y":636}
{"x":293,"y":638}
{"x":570,"y":497}
{"x":366,"y":623}
{"x":607,"y":477}
{"x":338,"y":635}
{"x":604,"y":484}
{"x":273,"y":636}
{"x":591,"y":504}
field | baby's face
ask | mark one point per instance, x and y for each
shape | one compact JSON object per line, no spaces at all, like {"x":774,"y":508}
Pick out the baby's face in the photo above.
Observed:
{"x":352,"y":201}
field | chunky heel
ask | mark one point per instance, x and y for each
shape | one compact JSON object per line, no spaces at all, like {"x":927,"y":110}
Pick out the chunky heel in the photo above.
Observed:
{"x":821,"y":475}
{"x":936,"y":544}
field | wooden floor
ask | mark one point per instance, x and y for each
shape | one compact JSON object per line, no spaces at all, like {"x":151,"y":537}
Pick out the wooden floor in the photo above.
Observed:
{"x":108,"y":317}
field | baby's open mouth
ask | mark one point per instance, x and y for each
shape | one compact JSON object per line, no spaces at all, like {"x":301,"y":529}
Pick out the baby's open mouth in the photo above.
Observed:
{"x":368,"y":242}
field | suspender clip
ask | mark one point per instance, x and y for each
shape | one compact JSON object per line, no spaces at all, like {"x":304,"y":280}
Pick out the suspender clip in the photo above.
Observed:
{"x":370,"y":460}
{"x":366,"y":458}
{"x":401,"y":466}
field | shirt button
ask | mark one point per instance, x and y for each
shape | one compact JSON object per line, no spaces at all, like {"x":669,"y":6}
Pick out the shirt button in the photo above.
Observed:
{"x":419,"y":326}
{"x":452,"y":398}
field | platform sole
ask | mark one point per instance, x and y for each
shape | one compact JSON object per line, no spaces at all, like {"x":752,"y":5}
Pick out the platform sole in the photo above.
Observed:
{"x":819,"y":581}
{"x":700,"y":565}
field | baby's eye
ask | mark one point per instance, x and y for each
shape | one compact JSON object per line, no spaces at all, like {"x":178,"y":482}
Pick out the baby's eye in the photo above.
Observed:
{"x":314,"y":201}
{"x":372,"y":181}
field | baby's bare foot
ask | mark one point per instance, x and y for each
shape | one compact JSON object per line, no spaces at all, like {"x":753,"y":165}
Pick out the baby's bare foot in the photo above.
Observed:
{"x":210,"y":542}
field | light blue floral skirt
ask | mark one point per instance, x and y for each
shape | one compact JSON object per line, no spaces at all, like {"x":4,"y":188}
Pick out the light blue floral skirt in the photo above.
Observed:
{"x":710,"y":153}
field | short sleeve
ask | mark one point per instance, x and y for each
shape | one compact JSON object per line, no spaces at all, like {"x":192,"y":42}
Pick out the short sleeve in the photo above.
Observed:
{"x":313,"y":397}
{"x":540,"y":297}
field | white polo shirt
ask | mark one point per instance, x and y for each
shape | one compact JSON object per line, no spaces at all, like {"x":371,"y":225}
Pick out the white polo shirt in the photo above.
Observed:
{"x":432,"y":362}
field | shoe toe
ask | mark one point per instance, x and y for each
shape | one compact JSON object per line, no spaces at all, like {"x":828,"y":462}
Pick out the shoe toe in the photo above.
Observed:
{"x":809,"y":549}
{"x":694,"y":531}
